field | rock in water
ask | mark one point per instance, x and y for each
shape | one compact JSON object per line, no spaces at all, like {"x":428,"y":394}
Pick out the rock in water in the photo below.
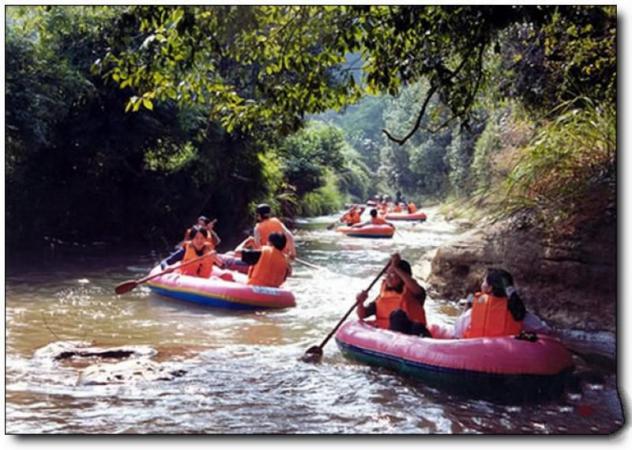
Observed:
{"x":130,"y":371}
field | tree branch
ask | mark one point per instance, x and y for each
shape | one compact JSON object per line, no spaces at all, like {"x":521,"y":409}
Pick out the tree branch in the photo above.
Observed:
{"x":403,"y":140}
{"x":432,"y":90}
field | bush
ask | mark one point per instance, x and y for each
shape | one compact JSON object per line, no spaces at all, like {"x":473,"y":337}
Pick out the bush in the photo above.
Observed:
{"x":567,"y":175}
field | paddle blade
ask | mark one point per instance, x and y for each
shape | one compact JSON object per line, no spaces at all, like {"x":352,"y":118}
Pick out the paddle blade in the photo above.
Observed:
{"x":125,"y":286}
{"x":313,"y":354}
{"x":331,"y":226}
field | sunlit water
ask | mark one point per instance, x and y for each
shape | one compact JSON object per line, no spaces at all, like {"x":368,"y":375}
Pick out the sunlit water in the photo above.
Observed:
{"x":242,"y":369}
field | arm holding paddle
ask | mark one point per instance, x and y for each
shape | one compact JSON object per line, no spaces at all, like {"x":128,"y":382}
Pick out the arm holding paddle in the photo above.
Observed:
{"x":129,"y":285}
{"x":364,"y":311}
{"x":411,"y":284}
{"x":315,"y":353}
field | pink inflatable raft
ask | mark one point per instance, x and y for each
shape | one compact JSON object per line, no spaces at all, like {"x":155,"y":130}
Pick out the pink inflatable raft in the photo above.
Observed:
{"x":406,"y":216}
{"x":219,"y":291}
{"x":369,"y":231}
{"x":499,"y":367}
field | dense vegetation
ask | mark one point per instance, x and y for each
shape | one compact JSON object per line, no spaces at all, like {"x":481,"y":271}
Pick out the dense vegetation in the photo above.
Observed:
{"x":126,"y":122}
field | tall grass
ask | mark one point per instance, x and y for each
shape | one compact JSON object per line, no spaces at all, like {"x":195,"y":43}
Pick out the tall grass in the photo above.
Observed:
{"x":567,"y":174}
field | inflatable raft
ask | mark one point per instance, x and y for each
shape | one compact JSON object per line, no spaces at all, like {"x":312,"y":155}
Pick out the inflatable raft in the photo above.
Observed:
{"x":369,"y":231}
{"x":406,"y":216}
{"x":220,"y":292}
{"x":504,"y":367}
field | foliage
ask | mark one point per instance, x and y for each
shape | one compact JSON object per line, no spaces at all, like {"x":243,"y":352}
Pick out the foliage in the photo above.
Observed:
{"x":362,"y":124}
{"x":573,"y":54}
{"x":324,"y":200}
{"x":265,"y":67}
{"x":567,"y":175}
{"x":418,"y":167}
{"x":318,"y":165}
{"x":129,"y":121}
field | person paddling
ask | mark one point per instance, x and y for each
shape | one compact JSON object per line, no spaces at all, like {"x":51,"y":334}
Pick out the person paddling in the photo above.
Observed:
{"x":266,"y":225}
{"x":375,"y":219}
{"x":352,"y":216}
{"x":196,"y":245}
{"x":269,"y":266}
{"x":208,"y":224}
{"x":400,"y":304}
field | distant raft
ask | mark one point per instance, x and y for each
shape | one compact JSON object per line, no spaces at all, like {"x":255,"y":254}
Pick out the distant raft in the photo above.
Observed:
{"x":369,"y":231}
{"x":220,"y":292}
{"x":492,"y":366}
{"x":419,"y":216}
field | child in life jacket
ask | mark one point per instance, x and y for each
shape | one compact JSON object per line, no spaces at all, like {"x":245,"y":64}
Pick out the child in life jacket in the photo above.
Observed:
{"x":495,"y":311}
{"x":400,"y":304}
{"x":195,"y":246}
{"x":269,"y":266}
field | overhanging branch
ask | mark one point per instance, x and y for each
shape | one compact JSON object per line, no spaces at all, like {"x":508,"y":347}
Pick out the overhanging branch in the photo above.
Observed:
{"x":420,"y":116}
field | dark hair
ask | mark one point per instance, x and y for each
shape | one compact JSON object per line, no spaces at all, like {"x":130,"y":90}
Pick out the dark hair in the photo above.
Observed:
{"x":499,"y":280}
{"x":195,"y":229}
{"x":278,"y":240}
{"x":373,"y":212}
{"x":405,"y":266}
{"x":205,"y":219}
{"x":263,"y":209}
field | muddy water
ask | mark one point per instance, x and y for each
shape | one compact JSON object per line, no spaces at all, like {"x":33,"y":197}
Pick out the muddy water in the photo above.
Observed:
{"x":241,"y":372}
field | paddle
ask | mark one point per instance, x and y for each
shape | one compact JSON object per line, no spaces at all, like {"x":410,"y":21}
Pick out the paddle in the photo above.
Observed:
{"x":315,"y":353}
{"x":330,"y":226}
{"x":308,"y":264}
{"x":128,"y":285}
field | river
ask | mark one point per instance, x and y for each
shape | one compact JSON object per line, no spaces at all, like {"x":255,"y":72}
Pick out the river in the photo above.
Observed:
{"x":241,"y":370}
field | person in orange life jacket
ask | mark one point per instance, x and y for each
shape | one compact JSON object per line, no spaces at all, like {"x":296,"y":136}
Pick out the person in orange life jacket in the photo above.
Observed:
{"x":269,"y":266}
{"x":400,"y":304}
{"x":196,"y":246}
{"x":412,"y":208}
{"x":207,"y":224}
{"x":495,"y":311}
{"x":267,"y":225}
{"x":375,"y":219}
{"x":352,"y":216}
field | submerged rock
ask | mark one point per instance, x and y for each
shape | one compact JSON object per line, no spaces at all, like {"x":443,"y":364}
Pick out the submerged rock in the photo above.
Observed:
{"x":110,"y":365}
{"x":131,"y":371}
{"x":75,"y":351}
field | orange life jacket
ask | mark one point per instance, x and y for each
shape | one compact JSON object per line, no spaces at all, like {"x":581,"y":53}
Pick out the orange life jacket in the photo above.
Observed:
{"x":491,"y":317}
{"x":397,"y":208}
{"x":270,"y":270}
{"x":378,"y":220}
{"x":202,"y":268}
{"x":347,"y":218}
{"x":412,"y":208}
{"x":268,"y":226}
{"x":389,"y":301}
{"x":352,"y":217}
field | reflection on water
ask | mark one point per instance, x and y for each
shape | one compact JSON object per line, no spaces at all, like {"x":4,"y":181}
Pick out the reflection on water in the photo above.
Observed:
{"x":242,"y":369}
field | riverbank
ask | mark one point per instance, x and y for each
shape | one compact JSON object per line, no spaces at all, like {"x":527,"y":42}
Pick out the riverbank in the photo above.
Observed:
{"x":569,"y":281}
